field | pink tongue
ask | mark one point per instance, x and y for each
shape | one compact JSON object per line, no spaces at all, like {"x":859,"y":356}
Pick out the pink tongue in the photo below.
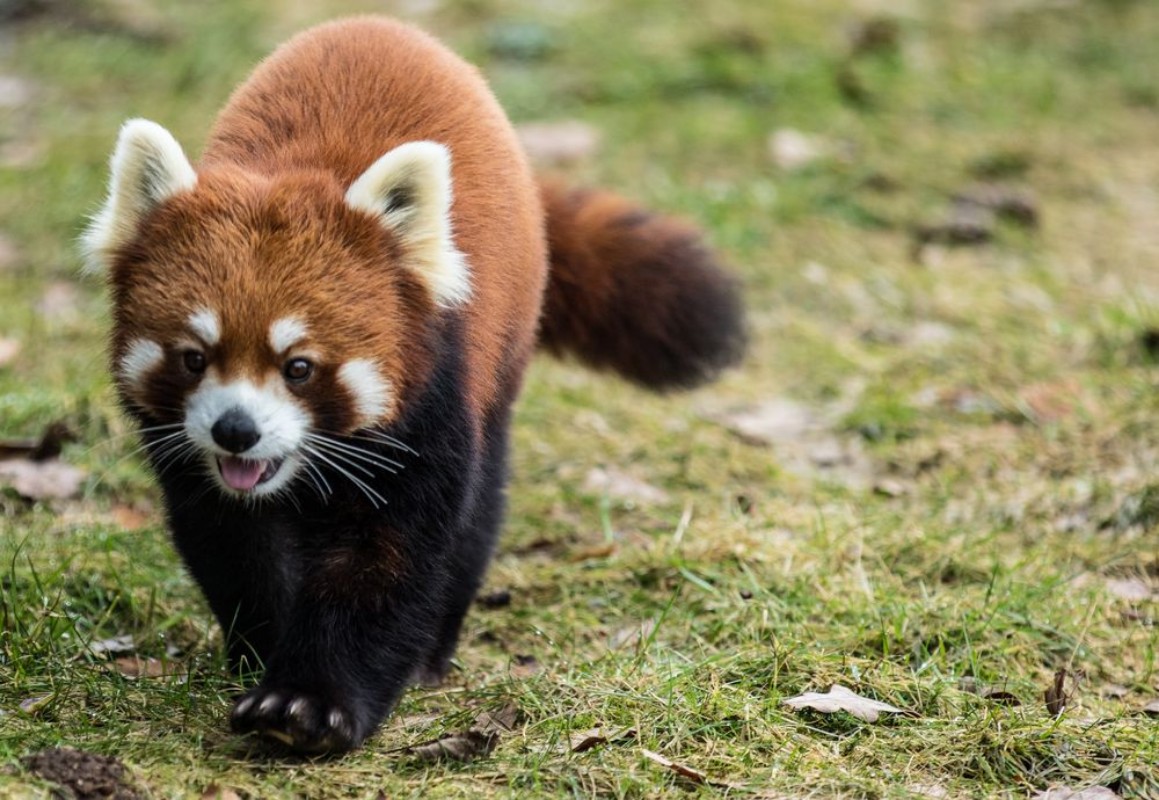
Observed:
{"x":241,"y":474}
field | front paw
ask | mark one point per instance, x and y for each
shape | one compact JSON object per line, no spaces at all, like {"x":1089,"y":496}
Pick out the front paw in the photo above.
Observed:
{"x":301,"y":721}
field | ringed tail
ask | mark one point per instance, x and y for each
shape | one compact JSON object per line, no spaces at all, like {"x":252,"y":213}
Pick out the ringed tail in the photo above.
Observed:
{"x":636,"y":293}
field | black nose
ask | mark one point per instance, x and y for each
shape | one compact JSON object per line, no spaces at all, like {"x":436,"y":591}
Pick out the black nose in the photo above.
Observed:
{"x":236,"y":431}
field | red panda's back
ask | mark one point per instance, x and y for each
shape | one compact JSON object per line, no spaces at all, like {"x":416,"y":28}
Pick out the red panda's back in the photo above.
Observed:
{"x":339,"y":96}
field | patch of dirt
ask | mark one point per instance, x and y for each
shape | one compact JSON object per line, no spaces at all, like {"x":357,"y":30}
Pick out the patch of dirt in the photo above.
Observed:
{"x":83,"y":776}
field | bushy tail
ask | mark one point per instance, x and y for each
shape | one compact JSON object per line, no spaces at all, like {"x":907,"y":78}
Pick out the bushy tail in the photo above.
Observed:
{"x":636,"y":293}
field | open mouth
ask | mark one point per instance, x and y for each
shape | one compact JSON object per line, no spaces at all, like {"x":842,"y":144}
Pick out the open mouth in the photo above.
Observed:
{"x":244,"y":475}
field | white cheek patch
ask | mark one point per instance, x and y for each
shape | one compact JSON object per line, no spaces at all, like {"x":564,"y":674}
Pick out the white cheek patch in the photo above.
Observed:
{"x":370,"y":391}
{"x":286,"y":332}
{"x":141,"y":357}
{"x":205,"y":324}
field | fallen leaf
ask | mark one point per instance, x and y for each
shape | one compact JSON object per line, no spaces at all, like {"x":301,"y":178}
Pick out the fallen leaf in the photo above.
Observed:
{"x":113,"y":646}
{"x":9,"y":350}
{"x":632,"y":635}
{"x":1002,"y":697}
{"x":524,"y":666}
{"x":1010,"y":202}
{"x":1133,"y":590}
{"x":680,"y":769}
{"x":35,"y":704}
{"x":130,"y":518}
{"x":137,"y":667}
{"x":215,"y":792}
{"x":558,"y":143}
{"x":966,"y":224}
{"x":477,"y":742}
{"x":620,"y":485}
{"x":1152,"y":708}
{"x":1066,"y":793}
{"x":1056,"y":696}
{"x":582,"y":741}
{"x":803,"y":440}
{"x":500,"y":721}
{"x":465,"y":746}
{"x":46,"y":480}
{"x":890,"y":487}
{"x":602,"y":550}
{"x":839,"y":698}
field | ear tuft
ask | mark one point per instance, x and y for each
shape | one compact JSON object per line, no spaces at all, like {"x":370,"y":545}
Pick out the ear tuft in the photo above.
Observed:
{"x":409,"y":191}
{"x":147,"y":168}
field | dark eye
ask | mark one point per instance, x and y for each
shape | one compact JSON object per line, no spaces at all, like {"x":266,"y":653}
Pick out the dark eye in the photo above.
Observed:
{"x":298,"y":370}
{"x":194,"y":361}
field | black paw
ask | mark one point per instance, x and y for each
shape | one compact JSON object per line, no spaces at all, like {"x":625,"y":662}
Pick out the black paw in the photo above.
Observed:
{"x":301,"y":721}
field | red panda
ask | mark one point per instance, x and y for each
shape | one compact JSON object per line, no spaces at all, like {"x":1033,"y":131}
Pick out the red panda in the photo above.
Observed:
{"x":321,"y":330}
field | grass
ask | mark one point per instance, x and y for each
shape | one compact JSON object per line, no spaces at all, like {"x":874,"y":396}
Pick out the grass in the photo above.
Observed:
{"x":1002,"y":396}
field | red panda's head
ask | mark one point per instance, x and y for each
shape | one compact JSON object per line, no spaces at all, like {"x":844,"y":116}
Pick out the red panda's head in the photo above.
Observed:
{"x":259,"y":317}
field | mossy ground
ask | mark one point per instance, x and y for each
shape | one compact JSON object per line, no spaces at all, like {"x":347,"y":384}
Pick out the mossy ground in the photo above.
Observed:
{"x":989,"y":519}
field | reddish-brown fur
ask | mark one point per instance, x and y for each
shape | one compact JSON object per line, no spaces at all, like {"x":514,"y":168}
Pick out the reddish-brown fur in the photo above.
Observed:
{"x":342,"y":597}
{"x":420,"y":92}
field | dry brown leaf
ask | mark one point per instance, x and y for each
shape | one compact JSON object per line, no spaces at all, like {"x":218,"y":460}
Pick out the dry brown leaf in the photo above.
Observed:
{"x":35,"y":704}
{"x":44,"y":480}
{"x":215,"y":792}
{"x":1114,"y":691}
{"x":680,"y":769}
{"x":1133,"y":590}
{"x":1056,"y":696}
{"x":1001,"y":697}
{"x":558,"y":143}
{"x":602,"y":550}
{"x":464,"y":746}
{"x":137,"y":667}
{"x":1152,"y":708}
{"x":839,"y":698}
{"x":130,"y":518}
{"x":1066,"y":793}
{"x":9,"y":350}
{"x":113,"y":646}
{"x":477,"y":742}
{"x":582,"y":741}
{"x":524,"y":666}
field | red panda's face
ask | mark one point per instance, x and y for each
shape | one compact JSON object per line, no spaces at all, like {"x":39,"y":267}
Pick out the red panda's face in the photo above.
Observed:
{"x":258,"y":319}
{"x":262,"y":319}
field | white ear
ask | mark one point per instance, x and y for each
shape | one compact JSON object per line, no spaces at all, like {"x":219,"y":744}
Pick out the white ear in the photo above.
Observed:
{"x":148,"y":167}
{"x":409,"y":190}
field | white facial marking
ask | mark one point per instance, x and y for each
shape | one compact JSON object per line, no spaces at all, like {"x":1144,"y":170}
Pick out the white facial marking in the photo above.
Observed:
{"x":204,"y":323}
{"x":286,"y":332}
{"x":281,"y":422}
{"x":141,"y":358}
{"x":370,"y":390}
